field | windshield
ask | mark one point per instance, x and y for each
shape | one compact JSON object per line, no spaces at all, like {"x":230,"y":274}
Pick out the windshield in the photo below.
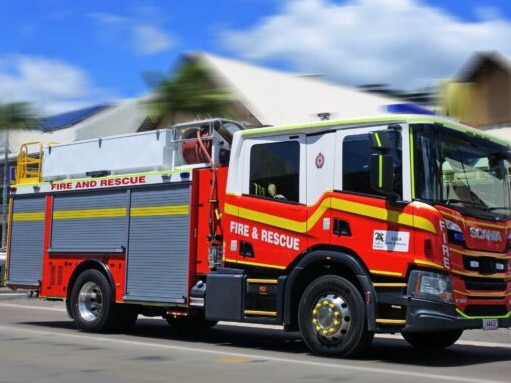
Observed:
{"x":466,"y":172}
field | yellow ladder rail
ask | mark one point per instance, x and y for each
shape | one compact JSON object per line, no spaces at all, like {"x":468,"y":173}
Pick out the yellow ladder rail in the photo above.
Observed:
{"x":28,"y":170}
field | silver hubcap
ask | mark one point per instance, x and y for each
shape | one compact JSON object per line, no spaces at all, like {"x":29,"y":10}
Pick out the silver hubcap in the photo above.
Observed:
{"x":331,"y":317}
{"x":90,"y":301}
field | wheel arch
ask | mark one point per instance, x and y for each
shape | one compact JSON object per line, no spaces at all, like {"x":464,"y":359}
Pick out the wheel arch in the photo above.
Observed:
{"x":83,"y":266}
{"x":322,"y":262}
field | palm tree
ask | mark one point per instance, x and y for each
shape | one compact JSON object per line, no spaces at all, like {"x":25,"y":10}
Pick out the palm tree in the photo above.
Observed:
{"x":13,"y":116}
{"x":190,"y":91}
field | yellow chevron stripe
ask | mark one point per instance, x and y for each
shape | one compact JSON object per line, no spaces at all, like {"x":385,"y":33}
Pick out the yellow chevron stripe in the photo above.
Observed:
{"x":470,"y":222}
{"x":283,"y":223}
{"x":478,"y":254}
{"x":336,"y":204}
{"x":90,"y":213}
{"x":34,"y":216}
{"x":152,"y":211}
{"x":383,"y":214}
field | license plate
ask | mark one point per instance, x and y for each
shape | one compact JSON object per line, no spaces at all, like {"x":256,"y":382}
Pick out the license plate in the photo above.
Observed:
{"x":490,"y":324}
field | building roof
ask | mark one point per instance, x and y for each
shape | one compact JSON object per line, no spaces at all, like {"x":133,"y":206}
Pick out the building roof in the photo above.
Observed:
{"x":68,"y":119}
{"x":479,"y":59}
{"x":277,"y":98}
{"x":126,"y":116}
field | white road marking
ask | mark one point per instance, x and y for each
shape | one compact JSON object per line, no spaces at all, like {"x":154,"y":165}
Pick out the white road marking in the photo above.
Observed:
{"x":339,"y":364}
{"x":12,"y":294}
{"x":261,"y":326}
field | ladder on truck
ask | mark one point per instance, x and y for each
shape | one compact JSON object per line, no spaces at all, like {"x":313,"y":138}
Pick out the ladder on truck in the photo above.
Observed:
{"x":28,"y":170}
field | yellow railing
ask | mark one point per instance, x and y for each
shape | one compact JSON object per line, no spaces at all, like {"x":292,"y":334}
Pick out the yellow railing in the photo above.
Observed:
{"x":28,"y":170}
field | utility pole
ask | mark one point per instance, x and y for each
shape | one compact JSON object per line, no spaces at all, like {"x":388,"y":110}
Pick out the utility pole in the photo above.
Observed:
{"x":5,"y":191}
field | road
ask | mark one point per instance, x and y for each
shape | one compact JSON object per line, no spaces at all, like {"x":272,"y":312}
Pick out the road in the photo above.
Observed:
{"x":38,"y":343}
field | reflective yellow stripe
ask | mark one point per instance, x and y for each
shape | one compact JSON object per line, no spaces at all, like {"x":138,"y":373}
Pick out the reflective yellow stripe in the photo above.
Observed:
{"x":479,"y":254}
{"x":90,"y":213}
{"x":386,"y":273}
{"x":380,"y":171}
{"x":383,"y":214}
{"x":252,"y":215}
{"x":378,"y":141}
{"x":148,"y":211}
{"x":385,"y":284}
{"x":427,"y":263}
{"x":482,"y":295}
{"x":256,"y":264}
{"x":391,"y":321}
{"x":412,"y":166}
{"x":476,"y":275}
{"x":261,"y":313}
{"x":470,"y":222}
{"x":262,"y":281}
{"x":35,"y":216}
{"x":483,"y":317}
{"x":333,"y":124}
{"x":152,"y":211}
{"x":336,"y":204}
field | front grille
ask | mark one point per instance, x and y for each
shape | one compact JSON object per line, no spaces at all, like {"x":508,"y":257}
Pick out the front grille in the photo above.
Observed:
{"x":485,"y":310}
{"x":485,"y":265}
{"x":484,"y":284}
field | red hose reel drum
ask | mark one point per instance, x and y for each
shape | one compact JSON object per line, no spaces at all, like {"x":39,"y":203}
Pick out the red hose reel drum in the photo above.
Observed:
{"x":197,"y":146}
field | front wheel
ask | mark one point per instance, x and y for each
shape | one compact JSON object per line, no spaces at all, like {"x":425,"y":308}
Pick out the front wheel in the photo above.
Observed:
{"x":432,"y":340}
{"x":332,"y":317}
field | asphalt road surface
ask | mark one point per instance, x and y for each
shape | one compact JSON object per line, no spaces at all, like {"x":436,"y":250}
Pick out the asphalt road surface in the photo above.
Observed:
{"x":38,"y":343}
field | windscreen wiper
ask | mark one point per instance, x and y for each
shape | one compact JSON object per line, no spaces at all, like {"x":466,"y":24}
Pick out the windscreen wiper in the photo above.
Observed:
{"x":450,"y":201}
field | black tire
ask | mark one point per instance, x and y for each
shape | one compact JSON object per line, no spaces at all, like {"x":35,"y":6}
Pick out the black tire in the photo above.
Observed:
{"x":190,"y":323}
{"x":92,"y":302}
{"x":332,"y":318}
{"x":126,"y":316}
{"x":432,"y":340}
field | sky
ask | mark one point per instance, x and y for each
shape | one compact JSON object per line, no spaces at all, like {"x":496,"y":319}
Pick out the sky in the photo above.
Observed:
{"x":62,"y":55}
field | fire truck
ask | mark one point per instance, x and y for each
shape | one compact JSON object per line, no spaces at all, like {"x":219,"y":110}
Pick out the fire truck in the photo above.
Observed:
{"x":336,"y":229}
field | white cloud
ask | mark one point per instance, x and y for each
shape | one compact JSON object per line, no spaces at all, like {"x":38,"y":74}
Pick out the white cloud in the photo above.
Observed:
{"x":149,"y":40}
{"x":52,"y":86}
{"x":404,"y":43}
{"x":143,"y":38}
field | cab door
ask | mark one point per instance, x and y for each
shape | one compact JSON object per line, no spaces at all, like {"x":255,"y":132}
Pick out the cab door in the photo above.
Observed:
{"x":271,"y":225}
{"x":379,"y":228}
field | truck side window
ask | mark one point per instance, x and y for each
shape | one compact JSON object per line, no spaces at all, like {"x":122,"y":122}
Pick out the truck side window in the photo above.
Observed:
{"x":274,"y":170}
{"x":356,"y":154}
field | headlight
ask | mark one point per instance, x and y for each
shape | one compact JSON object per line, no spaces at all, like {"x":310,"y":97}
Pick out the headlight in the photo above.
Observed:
{"x":450,"y":225}
{"x":432,"y":286}
{"x":454,"y":232}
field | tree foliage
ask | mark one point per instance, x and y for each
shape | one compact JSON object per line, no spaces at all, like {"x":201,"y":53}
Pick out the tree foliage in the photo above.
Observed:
{"x":16,"y":115}
{"x":189,"y":91}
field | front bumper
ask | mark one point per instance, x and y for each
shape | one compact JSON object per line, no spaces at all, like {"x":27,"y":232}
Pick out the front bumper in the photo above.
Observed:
{"x":424,"y":316}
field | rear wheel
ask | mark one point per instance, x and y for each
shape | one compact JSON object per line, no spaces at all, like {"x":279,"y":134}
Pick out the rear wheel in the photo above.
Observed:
{"x":432,"y":340}
{"x":332,"y":317}
{"x":92,"y":303}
